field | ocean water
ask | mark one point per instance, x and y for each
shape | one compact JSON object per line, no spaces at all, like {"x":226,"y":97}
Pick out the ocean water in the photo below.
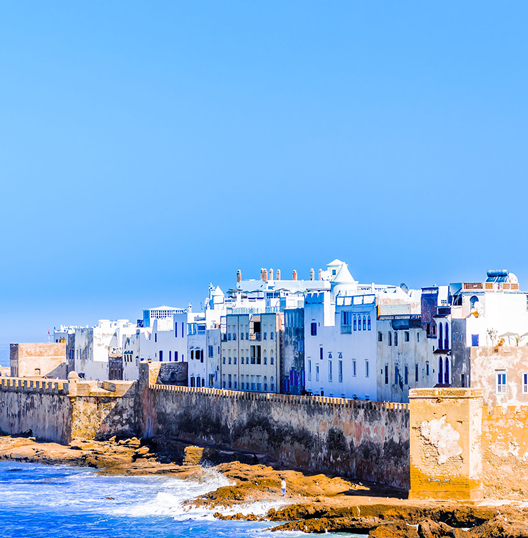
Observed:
{"x":45,"y":500}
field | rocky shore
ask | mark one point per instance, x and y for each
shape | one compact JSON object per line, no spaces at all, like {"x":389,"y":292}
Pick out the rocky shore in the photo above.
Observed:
{"x":313,"y":503}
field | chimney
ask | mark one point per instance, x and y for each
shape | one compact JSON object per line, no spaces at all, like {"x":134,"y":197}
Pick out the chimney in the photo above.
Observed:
{"x":294,"y":276}
{"x":261,"y":274}
{"x":312,"y":274}
{"x":278,"y":274}
{"x":320,"y":274}
{"x":239,"y":276}
{"x":271,"y":274}
{"x":265,"y":275}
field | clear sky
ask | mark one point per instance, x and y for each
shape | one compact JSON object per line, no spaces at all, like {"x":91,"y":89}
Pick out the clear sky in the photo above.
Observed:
{"x":150,"y":148}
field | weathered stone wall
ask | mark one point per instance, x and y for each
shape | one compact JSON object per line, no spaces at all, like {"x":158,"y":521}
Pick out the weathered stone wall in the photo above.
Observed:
{"x":366,"y":440}
{"x":445,"y":439}
{"x":505,"y":452}
{"x":40,"y":359}
{"x":46,"y":411}
{"x":61,"y":411}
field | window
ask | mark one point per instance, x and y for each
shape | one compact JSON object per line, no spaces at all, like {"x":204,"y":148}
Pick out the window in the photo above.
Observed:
{"x":417,"y":337}
{"x":380,"y":336}
{"x":272,"y":335}
{"x":346,"y":318}
{"x":406,"y":374}
{"x":355,"y":321}
{"x":364,"y":323}
{"x":224,"y":381}
{"x":368,"y":323}
{"x":474,"y":340}
{"x":210,"y":352}
{"x":463,"y":380}
{"x":354,"y":369}
{"x":155,"y":337}
{"x":176,"y":330}
{"x":170,"y":356}
{"x":407,"y":336}
{"x":234,"y":360}
{"x":390,"y":339}
{"x":241,"y":336}
{"x":416,"y":373}
{"x":235,"y":381}
{"x":176,"y":356}
{"x":161,"y":356}
{"x":265,"y":335}
{"x":229,"y":360}
{"x":265,"y":358}
{"x":396,"y":374}
{"x":395,"y":338}
{"x":427,"y":368}
{"x":330,"y":371}
{"x":314,"y":328}
{"x":446,"y":372}
{"x":440,"y":340}
{"x":229,"y":381}
{"x":309,"y":370}
{"x":242,"y":360}
{"x":359,"y":323}
{"x":367,"y":372}
{"x":440,"y":370}
{"x":265,"y":383}
{"x":501,"y":382}
{"x":524,"y":378}
{"x":317,"y":373}
{"x":340,"y":372}
{"x":223,"y":360}
{"x":272,"y":359}
{"x":386,"y":374}
{"x":321,"y":353}
{"x":272,"y":384}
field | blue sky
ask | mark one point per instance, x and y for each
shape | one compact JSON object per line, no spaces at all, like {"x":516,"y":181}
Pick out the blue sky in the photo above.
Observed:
{"x":148,"y":149}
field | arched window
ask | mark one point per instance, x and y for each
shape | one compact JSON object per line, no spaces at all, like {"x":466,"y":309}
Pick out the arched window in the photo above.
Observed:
{"x":272,"y":359}
{"x":265,"y":357}
{"x":364,"y":323}
{"x":265,"y":384}
{"x":355,"y":321}
{"x":446,"y":341}
{"x":446,"y":373}
{"x":272,"y":384}
{"x":440,"y":330}
{"x":472,"y":302}
{"x":359,"y":323}
{"x":440,"y":370}
{"x":368,"y":321}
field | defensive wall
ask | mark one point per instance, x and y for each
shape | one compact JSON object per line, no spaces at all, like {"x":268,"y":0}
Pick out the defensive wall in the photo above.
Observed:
{"x":445,"y":445}
{"x":364,"y":440}
{"x":464,"y":450}
{"x":62,"y":411}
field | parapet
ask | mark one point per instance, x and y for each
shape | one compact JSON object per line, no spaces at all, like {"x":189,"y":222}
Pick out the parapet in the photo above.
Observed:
{"x":72,"y":387}
{"x":284,"y":398}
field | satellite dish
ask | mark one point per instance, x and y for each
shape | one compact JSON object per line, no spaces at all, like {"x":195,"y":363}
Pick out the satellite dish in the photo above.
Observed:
{"x":404,"y":287}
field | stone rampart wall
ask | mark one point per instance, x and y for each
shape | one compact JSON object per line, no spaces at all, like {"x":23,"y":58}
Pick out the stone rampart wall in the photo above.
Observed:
{"x":366,"y":440}
{"x":505,"y":452}
{"x":62,"y":411}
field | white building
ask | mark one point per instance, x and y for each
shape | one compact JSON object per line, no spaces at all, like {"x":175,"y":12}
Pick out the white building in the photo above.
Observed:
{"x":93,"y":346}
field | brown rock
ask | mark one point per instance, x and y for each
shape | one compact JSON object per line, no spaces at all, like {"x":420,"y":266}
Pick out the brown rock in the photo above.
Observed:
{"x":394,"y":530}
{"x":361,"y":525}
{"x":433,"y":529}
{"x":500,"y":528}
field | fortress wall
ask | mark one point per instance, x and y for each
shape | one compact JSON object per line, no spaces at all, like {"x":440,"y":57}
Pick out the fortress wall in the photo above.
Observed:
{"x":505,"y":452}
{"x":366,"y":440}
{"x":60,"y":412}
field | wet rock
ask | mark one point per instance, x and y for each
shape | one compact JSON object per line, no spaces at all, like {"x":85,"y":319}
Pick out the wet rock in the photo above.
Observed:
{"x":394,"y":530}
{"x":500,"y":527}
{"x":433,"y":529}
{"x":360,"y":525}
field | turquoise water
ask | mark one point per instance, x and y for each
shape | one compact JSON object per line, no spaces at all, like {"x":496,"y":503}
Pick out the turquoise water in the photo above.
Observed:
{"x":44,"y":501}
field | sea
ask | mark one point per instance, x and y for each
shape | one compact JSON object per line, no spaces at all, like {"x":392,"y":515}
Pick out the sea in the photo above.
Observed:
{"x":4,"y":354}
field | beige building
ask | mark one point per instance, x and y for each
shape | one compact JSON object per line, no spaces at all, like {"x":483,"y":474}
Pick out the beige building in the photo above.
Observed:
{"x":251,"y":352}
{"x":38,"y":360}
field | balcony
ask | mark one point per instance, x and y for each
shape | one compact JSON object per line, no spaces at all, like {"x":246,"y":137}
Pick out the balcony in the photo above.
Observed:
{"x":255,"y":336}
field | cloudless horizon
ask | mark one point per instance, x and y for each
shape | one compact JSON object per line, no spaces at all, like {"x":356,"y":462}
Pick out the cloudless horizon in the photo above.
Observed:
{"x":147,"y":150}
